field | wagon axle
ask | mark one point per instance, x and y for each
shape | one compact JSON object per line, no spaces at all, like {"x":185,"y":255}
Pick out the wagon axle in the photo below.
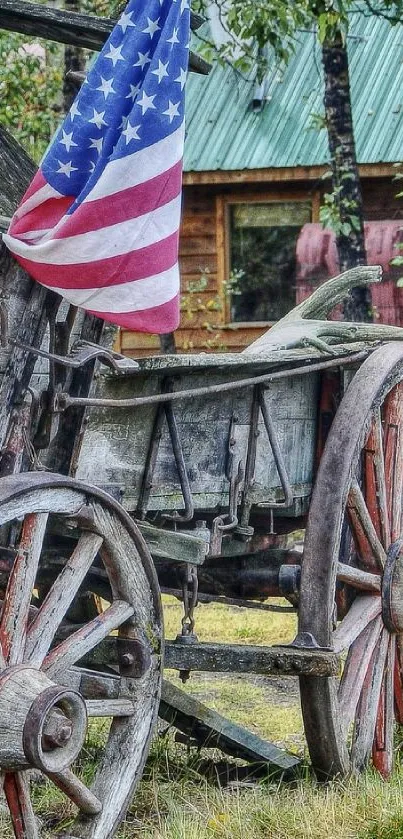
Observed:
{"x":42,"y":725}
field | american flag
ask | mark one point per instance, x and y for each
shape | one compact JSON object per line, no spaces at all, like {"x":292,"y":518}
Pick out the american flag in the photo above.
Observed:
{"x":99,"y":223}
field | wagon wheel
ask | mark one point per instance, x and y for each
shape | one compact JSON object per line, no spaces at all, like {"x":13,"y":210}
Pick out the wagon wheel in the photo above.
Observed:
{"x":43,"y":716}
{"x":353,"y":557}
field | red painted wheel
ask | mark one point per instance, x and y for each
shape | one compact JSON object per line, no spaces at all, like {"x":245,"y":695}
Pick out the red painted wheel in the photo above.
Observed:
{"x":351,"y":595}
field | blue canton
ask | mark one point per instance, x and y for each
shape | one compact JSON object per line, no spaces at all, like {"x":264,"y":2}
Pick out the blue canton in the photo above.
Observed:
{"x":132,"y":98}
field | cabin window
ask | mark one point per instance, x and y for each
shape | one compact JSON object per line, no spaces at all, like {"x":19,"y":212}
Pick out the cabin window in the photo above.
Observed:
{"x":262,"y":256}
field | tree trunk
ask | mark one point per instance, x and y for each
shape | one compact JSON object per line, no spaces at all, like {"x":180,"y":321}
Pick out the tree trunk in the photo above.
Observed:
{"x":345,"y":178}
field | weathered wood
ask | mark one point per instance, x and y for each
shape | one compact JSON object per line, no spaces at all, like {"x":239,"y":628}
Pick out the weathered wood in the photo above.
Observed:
{"x":363,"y":610}
{"x":16,"y":171}
{"x":368,"y":706}
{"x":84,"y":799}
{"x":16,"y":789}
{"x":355,"y":669}
{"x":85,"y":639}
{"x":236,"y":658}
{"x":109,"y":707}
{"x":375,"y":483}
{"x":336,"y":747}
{"x":70,"y":27}
{"x":383,"y":745}
{"x":14,"y":618}
{"x":167,"y":544}
{"x":114,"y":447}
{"x":290,"y":329}
{"x":228,"y":658}
{"x":212,"y":730}
{"x":135,"y":595}
{"x":43,"y":628}
{"x":393,"y":447}
{"x":361,"y":580}
{"x":361,"y":521}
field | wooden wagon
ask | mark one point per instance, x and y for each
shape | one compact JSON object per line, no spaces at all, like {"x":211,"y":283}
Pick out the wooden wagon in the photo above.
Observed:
{"x":186,"y":473}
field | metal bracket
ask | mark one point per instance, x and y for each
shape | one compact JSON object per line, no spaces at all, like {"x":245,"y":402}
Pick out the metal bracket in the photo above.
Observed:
{"x":166,"y":410}
{"x":81,"y":353}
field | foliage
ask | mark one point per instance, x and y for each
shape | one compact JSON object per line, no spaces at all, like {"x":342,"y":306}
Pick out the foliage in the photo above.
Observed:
{"x":257,"y":29}
{"x":31,"y":80}
{"x":30,"y":85}
{"x":329,"y":214}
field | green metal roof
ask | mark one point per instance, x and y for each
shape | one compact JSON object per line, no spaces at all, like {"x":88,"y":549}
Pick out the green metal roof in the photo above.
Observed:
{"x":223,"y":133}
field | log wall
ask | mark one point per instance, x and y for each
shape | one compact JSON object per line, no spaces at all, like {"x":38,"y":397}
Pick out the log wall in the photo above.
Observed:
{"x":203,"y":258}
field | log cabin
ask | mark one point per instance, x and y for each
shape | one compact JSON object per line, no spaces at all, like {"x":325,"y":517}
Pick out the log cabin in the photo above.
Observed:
{"x":255,"y":173}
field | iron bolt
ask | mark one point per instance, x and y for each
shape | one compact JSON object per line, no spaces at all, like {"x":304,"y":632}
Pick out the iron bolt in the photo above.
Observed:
{"x":127,"y":660}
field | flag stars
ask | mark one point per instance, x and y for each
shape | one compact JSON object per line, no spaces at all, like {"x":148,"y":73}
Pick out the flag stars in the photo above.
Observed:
{"x":66,"y":168}
{"x":146,"y":102}
{"x":115,"y":54}
{"x":152,"y":27}
{"x":74,"y":112}
{"x":174,"y":38}
{"x":67,"y":141}
{"x":184,"y":5}
{"x":96,"y":144}
{"x":125,"y":21}
{"x":161,"y":72}
{"x":134,"y":89}
{"x":144,"y":58}
{"x":182,"y":78}
{"x":172,"y":110}
{"x":106,"y":87}
{"x":98,"y":118}
{"x":131,"y":132}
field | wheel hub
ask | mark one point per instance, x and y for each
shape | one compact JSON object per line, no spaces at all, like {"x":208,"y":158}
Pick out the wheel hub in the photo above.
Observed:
{"x":41,"y":724}
{"x":392,"y":588}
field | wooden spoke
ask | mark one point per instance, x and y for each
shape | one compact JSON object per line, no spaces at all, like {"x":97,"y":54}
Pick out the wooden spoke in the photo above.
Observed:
{"x":398,"y":681}
{"x":86,"y":638}
{"x":355,"y":670}
{"x":42,"y":630}
{"x":362,"y":612}
{"x":16,"y":789}
{"x":374,"y":480}
{"x":367,"y":711}
{"x":393,"y":447}
{"x":382,"y":748}
{"x":14,"y":618}
{"x":109,"y":707}
{"x":85,"y":800}
{"x":370,"y":549}
{"x":361,"y":580}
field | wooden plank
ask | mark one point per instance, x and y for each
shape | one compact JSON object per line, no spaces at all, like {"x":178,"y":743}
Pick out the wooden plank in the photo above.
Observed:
{"x":280,"y":174}
{"x":201,"y":245}
{"x":199,"y":224}
{"x":228,"y":658}
{"x":214,"y":731}
{"x":237,"y":658}
{"x":165,"y":544}
{"x":198,"y":264}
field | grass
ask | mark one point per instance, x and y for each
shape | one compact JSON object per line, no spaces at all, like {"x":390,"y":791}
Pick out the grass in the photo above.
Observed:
{"x":180,"y":795}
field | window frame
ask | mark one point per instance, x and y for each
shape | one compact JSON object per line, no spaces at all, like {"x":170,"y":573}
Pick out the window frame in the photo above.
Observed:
{"x":223,"y":237}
